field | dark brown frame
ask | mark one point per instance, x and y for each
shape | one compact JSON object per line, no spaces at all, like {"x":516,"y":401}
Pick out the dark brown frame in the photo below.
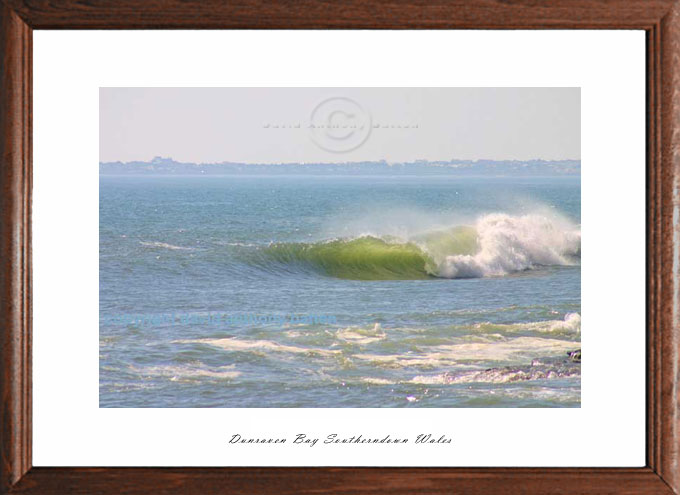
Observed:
{"x":661,"y":21}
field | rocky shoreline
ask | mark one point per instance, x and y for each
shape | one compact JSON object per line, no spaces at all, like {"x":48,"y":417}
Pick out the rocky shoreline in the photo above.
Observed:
{"x":539,"y":369}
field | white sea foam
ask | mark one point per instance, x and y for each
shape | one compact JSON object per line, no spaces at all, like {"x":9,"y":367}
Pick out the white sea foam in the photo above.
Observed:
{"x":164,"y":245}
{"x":237,"y":244}
{"x":571,"y":324}
{"x":233,"y":344}
{"x":358,"y":335}
{"x":496,"y":375}
{"x":186,"y":372}
{"x":377,"y":381}
{"x":517,"y":350}
{"x":510,"y":244}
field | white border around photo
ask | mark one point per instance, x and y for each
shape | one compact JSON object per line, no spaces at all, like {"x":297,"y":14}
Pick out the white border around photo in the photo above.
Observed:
{"x":70,"y":429}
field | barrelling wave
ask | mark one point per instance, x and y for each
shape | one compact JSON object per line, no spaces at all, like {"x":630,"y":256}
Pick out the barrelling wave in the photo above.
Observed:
{"x":496,"y":245}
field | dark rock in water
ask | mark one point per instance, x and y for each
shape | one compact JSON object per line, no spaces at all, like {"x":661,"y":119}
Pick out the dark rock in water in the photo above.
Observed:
{"x":540,"y":369}
{"x":575,"y":355}
{"x":543,"y":368}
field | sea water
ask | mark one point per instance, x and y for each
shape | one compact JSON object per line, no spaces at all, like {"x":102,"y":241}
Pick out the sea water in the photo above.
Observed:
{"x":292,"y":291}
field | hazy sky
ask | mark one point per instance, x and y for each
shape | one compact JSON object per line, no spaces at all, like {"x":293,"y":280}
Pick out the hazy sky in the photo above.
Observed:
{"x":274,"y":125}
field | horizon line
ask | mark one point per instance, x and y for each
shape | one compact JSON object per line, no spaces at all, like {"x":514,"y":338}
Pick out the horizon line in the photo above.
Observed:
{"x":389,"y":162}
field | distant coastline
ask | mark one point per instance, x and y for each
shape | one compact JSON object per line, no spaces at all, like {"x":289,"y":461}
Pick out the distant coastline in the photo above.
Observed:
{"x":487,"y":168}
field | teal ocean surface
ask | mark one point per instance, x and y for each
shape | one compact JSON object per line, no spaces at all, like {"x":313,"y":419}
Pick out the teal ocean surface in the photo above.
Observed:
{"x":290,"y":291}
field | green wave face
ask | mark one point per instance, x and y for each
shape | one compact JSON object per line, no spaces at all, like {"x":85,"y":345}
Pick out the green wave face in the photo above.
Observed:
{"x":372,"y":258}
{"x":366,"y":258}
{"x":442,"y":243}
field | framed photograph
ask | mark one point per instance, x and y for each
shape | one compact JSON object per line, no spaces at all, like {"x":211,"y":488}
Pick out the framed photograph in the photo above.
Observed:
{"x":340,"y":248}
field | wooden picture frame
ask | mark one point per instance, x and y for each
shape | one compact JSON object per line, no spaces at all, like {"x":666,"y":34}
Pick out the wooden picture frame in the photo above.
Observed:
{"x":661,"y":21}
